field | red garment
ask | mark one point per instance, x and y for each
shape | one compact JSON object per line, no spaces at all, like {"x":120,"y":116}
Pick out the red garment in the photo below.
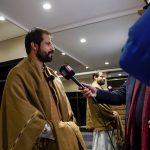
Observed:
{"x":130,"y":130}
{"x":145,"y":131}
{"x":145,"y":117}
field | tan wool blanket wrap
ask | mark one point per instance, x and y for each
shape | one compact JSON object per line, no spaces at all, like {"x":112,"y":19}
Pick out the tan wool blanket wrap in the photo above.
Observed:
{"x":26,"y":108}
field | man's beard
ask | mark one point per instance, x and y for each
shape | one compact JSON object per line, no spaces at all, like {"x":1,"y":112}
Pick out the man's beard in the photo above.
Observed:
{"x":102,"y":82}
{"x":43,"y":56}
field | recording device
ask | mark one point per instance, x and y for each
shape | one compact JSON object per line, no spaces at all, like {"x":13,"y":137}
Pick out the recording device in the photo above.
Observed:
{"x":68,"y":73}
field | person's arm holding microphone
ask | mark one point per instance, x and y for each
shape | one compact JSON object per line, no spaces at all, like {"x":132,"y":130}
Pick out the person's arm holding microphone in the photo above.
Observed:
{"x":103,"y":96}
{"x":116,"y":97}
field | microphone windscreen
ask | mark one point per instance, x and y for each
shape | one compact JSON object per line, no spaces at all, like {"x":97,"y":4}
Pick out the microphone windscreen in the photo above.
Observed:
{"x":66,"y":71}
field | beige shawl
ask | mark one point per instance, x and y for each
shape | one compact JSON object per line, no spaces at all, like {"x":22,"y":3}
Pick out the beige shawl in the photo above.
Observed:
{"x":26,"y":108}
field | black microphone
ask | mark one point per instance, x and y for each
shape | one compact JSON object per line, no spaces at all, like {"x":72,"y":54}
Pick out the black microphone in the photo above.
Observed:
{"x":68,"y":73}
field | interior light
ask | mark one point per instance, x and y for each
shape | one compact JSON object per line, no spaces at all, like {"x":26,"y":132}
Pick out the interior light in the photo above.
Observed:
{"x":63,"y":53}
{"x":2,"y":18}
{"x":82,"y":40}
{"x":116,"y":79}
{"x":106,"y":63}
{"x":109,"y":76}
{"x":86,"y":67}
{"x":119,"y":74}
{"x":47,"y":6}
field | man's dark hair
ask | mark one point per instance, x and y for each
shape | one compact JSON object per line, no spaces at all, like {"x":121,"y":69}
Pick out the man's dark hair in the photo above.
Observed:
{"x":35,"y":35}
{"x":95,"y":75}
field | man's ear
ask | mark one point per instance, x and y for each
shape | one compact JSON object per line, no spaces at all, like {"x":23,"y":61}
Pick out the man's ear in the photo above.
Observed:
{"x":95,"y":77}
{"x":34,"y":46}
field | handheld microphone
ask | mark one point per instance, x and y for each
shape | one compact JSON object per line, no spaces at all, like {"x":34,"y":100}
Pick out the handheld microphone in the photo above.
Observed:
{"x":68,"y":73}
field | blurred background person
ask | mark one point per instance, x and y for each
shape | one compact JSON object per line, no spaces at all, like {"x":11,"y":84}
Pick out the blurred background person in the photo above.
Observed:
{"x":102,"y":120}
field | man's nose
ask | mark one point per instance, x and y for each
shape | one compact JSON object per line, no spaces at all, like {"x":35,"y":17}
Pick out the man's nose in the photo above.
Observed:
{"x":52,"y":48}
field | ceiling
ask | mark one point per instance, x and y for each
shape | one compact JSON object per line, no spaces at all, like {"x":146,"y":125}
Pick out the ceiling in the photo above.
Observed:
{"x":104,"y":24}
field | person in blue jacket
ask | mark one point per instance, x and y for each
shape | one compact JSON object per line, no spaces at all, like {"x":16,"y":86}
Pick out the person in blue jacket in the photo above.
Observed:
{"x":135,"y":58}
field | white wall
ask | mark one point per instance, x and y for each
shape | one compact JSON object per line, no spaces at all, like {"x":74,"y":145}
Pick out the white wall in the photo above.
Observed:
{"x":70,"y":86}
{"x":12,"y":49}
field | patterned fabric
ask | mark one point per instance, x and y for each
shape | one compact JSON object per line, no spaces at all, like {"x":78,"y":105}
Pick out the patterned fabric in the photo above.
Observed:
{"x":145,"y":117}
{"x":130,"y":131}
{"x":144,"y":137}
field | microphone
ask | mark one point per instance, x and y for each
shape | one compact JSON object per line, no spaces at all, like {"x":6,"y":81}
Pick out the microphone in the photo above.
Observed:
{"x":68,"y":73}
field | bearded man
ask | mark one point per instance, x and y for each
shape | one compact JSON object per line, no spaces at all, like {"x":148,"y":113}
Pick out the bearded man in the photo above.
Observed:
{"x":35,"y":112}
{"x":103,"y":120}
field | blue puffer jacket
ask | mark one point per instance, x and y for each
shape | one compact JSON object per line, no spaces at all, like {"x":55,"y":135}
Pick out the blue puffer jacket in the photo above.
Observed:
{"x":135,"y":58}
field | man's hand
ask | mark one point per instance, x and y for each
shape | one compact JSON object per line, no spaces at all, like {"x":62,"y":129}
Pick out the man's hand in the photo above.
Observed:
{"x":88,"y":91}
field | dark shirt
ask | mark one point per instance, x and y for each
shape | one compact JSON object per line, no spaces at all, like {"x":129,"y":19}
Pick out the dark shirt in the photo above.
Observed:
{"x":116,"y":97}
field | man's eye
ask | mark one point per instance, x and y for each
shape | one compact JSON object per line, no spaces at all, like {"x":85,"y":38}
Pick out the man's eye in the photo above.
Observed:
{"x":48,"y":44}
